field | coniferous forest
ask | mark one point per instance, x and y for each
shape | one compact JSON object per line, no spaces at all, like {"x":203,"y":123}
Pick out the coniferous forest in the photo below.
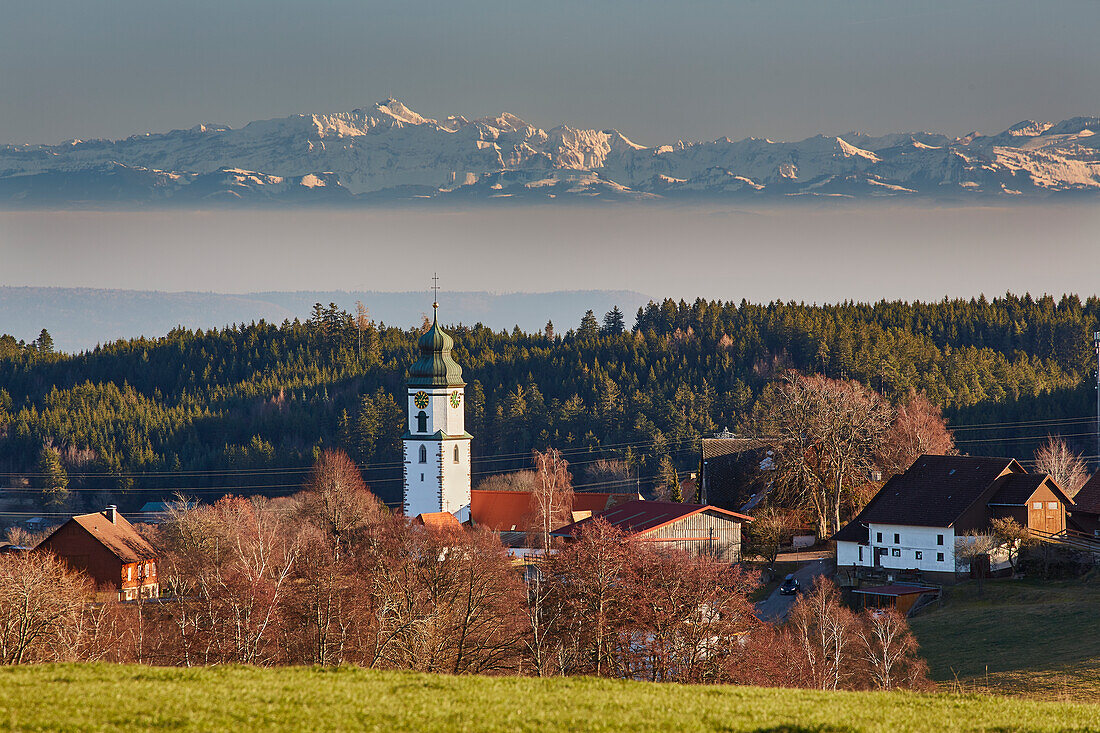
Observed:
{"x":247,"y":408}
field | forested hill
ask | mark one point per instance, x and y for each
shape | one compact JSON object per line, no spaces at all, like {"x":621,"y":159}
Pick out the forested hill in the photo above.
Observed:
{"x":246,"y":408}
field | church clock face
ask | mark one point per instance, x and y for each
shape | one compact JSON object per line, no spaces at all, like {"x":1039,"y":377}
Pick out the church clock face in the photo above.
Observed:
{"x":420,"y":399}
{"x":456,"y":398}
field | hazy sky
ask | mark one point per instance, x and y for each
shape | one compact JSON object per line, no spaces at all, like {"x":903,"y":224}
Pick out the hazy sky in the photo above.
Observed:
{"x":657,"y":70}
{"x":825,"y":253}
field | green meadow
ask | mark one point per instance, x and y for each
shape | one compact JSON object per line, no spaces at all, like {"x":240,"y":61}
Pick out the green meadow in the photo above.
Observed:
{"x":1019,"y":637}
{"x":101,"y":697}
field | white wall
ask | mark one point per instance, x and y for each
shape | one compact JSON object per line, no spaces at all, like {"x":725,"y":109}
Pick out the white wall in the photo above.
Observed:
{"x":441,"y":415}
{"x":912,"y":540}
{"x":441,"y":484}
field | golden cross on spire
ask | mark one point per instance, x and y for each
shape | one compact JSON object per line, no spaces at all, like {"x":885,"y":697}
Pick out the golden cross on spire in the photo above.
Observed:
{"x":435,"y":290}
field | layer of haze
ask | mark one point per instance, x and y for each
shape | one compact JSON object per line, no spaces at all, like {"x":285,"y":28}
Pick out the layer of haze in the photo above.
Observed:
{"x":801,"y":253}
{"x":659,"y":71}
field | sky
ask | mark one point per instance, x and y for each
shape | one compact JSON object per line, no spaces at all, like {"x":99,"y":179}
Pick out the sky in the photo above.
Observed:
{"x":658,"y":71}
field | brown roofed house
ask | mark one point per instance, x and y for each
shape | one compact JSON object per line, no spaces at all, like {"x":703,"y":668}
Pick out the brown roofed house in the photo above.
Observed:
{"x":107,"y":548}
{"x":914,"y":522}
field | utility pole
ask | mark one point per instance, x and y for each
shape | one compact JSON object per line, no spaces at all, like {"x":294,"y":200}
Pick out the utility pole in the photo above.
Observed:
{"x":1096,"y":344}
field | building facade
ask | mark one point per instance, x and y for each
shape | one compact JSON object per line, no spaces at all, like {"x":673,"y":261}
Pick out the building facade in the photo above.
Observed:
{"x":917,"y":520}
{"x":107,"y":548}
{"x":436,"y":444}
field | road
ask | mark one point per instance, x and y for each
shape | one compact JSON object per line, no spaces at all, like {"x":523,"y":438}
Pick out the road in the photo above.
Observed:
{"x":776,"y":607}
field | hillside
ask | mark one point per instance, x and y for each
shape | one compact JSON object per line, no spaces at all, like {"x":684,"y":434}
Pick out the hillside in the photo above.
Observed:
{"x":245,"y":408}
{"x":386,"y":152}
{"x":1032,"y":638}
{"x":106,"y":698}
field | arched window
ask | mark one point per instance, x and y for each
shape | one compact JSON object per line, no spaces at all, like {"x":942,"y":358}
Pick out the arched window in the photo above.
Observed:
{"x":456,"y":454}
{"x":421,"y":422}
{"x":423,"y":454}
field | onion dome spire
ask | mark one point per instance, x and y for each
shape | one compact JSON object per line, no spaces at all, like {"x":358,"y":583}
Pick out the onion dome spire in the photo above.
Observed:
{"x":435,"y":367}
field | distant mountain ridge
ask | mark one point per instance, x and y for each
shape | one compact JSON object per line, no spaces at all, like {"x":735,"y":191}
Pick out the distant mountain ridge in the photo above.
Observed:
{"x":80,"y":318}
{"x":387,"y":152}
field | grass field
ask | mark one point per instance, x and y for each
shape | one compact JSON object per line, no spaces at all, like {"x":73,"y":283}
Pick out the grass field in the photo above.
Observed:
{"x":109,"y":697}
{"x":1024,"y":637}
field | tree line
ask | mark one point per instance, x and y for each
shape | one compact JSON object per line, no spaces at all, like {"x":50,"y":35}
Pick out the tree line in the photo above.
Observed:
{"x":209,"y":410}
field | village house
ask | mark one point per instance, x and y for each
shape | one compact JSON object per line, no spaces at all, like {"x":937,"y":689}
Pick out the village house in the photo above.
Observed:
{"x":1085,"y":515}
{"x":107,"y":548}
{"x":693,"y":528}
{"x":914,"y":521}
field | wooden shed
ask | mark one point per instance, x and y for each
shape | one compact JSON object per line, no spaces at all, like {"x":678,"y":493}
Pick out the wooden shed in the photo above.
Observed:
{"x":694,"y":528}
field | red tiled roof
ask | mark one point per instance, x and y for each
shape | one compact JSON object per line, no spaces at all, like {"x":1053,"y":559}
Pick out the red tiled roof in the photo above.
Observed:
{"x":507,"y":511}
{"x":438,"y":520}
{"x":501,"y":511}
{"x":639,"y":517}
{"x":119,"y":536}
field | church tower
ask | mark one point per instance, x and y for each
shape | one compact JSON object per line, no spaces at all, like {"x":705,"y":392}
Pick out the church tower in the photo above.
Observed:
{"x":437,"y":446}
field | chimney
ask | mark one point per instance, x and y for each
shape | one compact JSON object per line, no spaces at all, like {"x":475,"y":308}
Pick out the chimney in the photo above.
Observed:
{"x":112,"y":513}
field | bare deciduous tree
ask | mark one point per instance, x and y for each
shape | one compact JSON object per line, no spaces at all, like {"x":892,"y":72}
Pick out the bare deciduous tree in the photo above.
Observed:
{"x":889,"y":650}
{"x":824,"y":433}
{"x":765,"y":534}
{"x":1067,"y":468}
{"x":552,"y":496}
{"x":918,"y":428}
{"x":825,"y":631}
{"x":974,"y":547}
{"x":41,"y":601}
{"x":1013,"y":537}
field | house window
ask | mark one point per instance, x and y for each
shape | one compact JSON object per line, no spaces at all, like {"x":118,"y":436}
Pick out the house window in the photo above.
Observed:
{"x":861,"y":553}
{"x":918,"y":555}
{"x":1037,"y":505}
{"x":939,"y":557}
{"x":423,"y":454}
{"x":1052,"y":505}
{"x":895,"y":553}
{"x":129,"y":572}
{"x":939,"y":539}
{"x":878,"y":536}
{"x":456,"y":454}
{"x":897,"y":538}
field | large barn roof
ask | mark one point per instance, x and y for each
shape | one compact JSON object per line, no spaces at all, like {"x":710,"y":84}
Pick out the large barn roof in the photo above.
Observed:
{"x":934,"y":492}
{"x":640,"y":517}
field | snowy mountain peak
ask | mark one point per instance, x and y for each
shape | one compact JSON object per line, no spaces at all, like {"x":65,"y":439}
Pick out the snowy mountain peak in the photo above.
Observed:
{"x":387,"y":151}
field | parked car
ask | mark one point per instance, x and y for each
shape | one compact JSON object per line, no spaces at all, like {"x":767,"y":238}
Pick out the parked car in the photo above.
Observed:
{"x":789,"y":586}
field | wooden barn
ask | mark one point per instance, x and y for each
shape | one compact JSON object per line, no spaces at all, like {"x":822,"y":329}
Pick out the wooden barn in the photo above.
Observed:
{"x":693,"y":528}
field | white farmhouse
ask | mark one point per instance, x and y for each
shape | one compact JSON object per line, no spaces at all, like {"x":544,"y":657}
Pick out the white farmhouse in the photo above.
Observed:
{"x":913,"y":522}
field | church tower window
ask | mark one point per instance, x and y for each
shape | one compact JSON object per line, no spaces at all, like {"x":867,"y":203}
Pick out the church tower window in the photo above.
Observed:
{"x":423,"y":454}
{"x":456,"y":454}
{"x":421,"y":422}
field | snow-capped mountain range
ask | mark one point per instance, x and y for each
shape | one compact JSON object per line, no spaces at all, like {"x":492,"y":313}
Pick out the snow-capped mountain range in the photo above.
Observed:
{"x":388,"y":152}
